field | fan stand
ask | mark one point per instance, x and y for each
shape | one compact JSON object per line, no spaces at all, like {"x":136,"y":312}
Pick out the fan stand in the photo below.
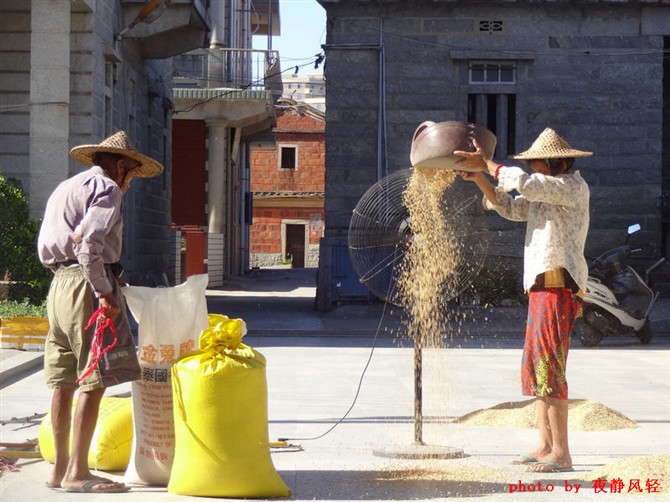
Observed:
{"x":419,"y":449}
{"x":379,"y":232}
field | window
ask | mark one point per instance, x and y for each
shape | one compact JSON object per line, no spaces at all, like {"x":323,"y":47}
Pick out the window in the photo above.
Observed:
{"x":497,"y":112}
{"x":492,"y":73}
{"x":491,"y":26}
{"x":492,"y":101}
{"x":108,"y":95}
{"x":109,"y":115}
{"x":288,"y":156}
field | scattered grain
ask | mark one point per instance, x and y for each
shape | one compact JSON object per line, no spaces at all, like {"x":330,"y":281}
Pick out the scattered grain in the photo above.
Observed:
{"x":642,"y":468}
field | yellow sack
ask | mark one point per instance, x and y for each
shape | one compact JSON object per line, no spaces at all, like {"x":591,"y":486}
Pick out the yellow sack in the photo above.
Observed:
{"x":220,"y":416}
{"x":112,"y":439}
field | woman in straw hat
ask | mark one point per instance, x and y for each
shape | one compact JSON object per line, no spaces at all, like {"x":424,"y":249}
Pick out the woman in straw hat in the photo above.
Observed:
{"x":79,"y":239}
{"x":554,"y":201}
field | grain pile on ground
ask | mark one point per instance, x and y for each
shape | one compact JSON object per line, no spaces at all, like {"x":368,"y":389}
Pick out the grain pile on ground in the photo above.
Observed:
{"x":432,"y":259}
{"x":583,"y":416}
{"x":594,"y":416}
{"x":511,"y":415}
{"x":643,"y":468}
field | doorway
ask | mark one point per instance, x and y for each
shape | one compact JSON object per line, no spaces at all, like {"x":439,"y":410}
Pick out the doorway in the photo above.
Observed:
{"x":294,"y":245}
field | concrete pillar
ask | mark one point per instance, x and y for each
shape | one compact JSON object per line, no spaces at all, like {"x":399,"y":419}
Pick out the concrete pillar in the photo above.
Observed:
{"x":215,"y":62}
{"x":216,"y":185}
{"x":217,"y":14}
{"x":49,"y":98}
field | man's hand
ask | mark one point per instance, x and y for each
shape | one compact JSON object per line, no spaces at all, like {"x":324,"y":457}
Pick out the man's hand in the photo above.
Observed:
{"x":112,"y":309}
{"x":129,"y":176}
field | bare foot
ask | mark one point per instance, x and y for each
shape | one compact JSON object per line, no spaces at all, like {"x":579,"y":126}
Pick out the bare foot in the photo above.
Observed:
{"x":94,"y":485}
{"x":524,"y":459}
{"x":532,"y":457}
{"x":549,"y":466}
{"x":55,"y":479}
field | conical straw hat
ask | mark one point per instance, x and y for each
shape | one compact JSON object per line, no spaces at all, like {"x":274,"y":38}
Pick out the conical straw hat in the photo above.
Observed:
{"x":120,"y":144}
{"x":550,"y":145}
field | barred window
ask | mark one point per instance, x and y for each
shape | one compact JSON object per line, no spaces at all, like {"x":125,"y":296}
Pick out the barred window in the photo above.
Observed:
{"x":492,"y":73}
{"x":497,"y":112}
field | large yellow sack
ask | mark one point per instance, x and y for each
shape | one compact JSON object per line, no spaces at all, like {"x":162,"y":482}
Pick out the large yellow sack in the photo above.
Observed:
{"x":220,"y":417}
{"x":112,"y":439}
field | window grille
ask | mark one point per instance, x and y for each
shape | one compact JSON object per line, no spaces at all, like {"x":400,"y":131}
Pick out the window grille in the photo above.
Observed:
{"x":492,"y":73}
{"x":497,"y":112}
{"x":490,"y":26}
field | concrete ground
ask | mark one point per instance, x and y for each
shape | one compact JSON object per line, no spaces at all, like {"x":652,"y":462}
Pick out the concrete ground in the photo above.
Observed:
{"x":319,"y":372}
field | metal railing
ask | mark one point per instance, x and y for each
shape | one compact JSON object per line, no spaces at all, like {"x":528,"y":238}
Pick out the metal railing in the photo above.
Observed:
{"x":231,"y":68}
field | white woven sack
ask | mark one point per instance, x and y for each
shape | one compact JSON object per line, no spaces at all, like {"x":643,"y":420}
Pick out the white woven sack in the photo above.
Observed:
{"x":170,"y":322}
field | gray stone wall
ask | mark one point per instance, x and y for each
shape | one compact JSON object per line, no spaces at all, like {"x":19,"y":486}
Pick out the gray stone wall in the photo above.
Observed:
{"x":590,"y":70}
{"x":15,"y":91}
{"x":138,"y":93}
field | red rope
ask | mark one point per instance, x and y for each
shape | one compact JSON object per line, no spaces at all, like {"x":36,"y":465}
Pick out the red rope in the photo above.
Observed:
{"x":97,"y":350}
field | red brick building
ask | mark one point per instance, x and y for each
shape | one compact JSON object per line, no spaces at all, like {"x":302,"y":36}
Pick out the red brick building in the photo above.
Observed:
{"x":287,"y":183}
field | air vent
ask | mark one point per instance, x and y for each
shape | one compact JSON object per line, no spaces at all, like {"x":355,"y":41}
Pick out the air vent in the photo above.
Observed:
{"x":489,"y":26}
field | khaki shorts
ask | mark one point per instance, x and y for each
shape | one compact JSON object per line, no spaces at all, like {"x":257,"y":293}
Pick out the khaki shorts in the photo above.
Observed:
{"x":67,"y":350}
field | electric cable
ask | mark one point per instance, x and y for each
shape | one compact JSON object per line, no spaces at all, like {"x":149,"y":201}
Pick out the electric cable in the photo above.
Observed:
{"x":232,"y":91}
{"x":360,"y":381}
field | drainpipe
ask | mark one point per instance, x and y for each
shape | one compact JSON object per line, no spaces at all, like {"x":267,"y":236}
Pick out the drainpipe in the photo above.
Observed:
{"x":270,"y":25}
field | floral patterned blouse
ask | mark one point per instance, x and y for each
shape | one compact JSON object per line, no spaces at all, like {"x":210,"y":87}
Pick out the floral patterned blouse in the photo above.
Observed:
{"x":557,"y":211}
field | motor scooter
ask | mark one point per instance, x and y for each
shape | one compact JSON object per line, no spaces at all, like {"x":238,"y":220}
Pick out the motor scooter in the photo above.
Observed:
{"x":617,"y":301}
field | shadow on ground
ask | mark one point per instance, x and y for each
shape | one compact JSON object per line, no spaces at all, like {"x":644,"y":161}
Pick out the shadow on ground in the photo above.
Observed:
{"x":384,"y":485}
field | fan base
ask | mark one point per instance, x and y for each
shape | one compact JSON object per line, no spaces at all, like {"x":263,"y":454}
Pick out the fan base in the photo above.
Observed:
{"x":420,"y":450}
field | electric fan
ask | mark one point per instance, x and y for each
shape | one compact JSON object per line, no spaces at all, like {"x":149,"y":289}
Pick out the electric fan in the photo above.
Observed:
{"x":382,"y":235}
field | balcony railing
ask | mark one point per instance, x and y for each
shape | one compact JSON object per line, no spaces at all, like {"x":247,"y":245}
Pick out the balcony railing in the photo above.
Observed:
{"x":229,"y":68}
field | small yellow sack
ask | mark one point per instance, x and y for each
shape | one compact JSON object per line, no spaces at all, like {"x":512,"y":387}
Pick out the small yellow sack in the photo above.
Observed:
{"x":220,"y":416}
{"x":112,"y":439}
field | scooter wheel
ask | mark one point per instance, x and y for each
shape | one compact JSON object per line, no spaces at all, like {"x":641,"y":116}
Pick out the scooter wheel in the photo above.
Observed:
{"x":587,"y":334}
{"x":644,"y":334}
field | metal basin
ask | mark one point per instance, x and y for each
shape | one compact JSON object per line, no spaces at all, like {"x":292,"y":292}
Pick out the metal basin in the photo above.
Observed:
{"x":434,"y":143}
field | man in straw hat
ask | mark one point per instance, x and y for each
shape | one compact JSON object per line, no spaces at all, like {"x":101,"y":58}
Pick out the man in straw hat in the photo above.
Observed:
{"x":79,"y":239}
{"x":555,"y":204}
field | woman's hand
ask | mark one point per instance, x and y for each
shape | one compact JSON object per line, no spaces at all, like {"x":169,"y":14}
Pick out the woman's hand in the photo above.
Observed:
{"x":473,"y":161}
{"x":470,"y":175}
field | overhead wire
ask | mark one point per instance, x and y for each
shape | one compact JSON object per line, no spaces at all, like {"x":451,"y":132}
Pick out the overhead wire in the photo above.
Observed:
{"x":318,"y":58}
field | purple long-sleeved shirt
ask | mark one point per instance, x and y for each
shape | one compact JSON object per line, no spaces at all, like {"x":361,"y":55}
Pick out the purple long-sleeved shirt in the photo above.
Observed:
{"x":87,"y":205}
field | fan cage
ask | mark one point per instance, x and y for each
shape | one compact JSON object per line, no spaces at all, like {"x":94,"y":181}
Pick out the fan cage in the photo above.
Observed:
{"x":380,"y":235}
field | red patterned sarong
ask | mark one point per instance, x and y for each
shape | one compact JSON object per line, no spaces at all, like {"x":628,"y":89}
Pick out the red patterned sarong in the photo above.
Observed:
{"x":551,"y":316}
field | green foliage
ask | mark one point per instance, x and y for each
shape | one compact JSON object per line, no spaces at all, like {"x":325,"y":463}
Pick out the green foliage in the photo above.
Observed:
{"x":10,"y":309}
{"x":18,"y":246}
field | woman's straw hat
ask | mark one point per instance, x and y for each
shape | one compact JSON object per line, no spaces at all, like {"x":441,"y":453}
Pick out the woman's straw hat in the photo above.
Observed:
{"x":550,"y":145}
{"x":120,"y":144}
